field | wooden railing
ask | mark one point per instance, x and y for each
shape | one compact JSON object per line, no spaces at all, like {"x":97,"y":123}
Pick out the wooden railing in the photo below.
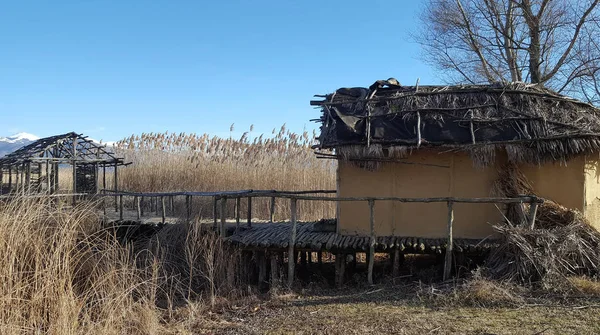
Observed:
{"x":294,"y":196}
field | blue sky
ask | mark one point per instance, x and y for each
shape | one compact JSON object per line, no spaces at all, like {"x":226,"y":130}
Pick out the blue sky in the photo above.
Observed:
{"x":110,"y":69}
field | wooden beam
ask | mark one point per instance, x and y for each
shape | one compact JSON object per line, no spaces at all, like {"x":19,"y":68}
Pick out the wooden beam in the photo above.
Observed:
{"x":292,"y":243}
{"x":340,"y":261}
{"x":274,"y":271}
{"x":450,"y":243}
{"x":371,"y":241}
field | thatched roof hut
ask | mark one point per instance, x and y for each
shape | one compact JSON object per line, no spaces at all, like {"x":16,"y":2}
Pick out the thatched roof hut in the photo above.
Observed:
{"x":458,"y":141}
{"x":532,"y":124}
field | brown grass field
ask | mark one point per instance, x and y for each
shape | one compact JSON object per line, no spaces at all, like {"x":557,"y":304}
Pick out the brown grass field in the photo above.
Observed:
{"x":62,"y":273}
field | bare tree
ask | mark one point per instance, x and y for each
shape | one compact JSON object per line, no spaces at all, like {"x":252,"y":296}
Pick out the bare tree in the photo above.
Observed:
{"x":554,"y":43}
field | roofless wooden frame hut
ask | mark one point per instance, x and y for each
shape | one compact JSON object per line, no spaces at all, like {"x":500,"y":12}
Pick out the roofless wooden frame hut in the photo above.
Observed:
{"x":34,"y":167}
{"x":457,"y":141}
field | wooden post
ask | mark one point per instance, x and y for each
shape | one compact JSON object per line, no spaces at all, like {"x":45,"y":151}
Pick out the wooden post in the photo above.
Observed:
{"x":1,"y":179}
{"x":249,"y":212}
{"x":340,"y":262}
{"x":172,"y":205}
{"x":418,"y":129}
{"x":9,"y":179}
{"x":141,"y":206}
{"x":262,"y":268}
{"x":27,"y":177}
{"x":163,"y":210}
{"x":271,"y":217}
{"x":320,"y":258}
{"x":115,"y":185}
{"x":188,"y":207}
{"x":291,"y":251}
{"x":215,"y":212}
{"x":156,"y":208}
{"x":223,"y":215}
{"x":372,"y":241}
{"x":274,"y":271}
{"x":238,"y":209}
{"x":397,"y":258}
{"x":533,"y":207}
{"x":48,"y":177}
{"x":138,"y":207}
{"x":449,"y":247}
{"x":121,"y":207}
{"x":104,"y":176}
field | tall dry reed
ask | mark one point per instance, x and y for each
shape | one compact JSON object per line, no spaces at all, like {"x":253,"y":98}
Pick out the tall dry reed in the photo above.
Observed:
{"x":62,"y":273}
{"x":190,"y":162}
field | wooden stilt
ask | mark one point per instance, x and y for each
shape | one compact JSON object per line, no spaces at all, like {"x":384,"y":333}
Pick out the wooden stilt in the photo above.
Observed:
{"x":397,"y":259}
{"x":340,"y":260}
{"x":115,"y":184}
{"x":371,"y":242}
{"x":320,"y":258}
{"x":172,"y":205}
{"x":303,"y":258}
{"x":274,"y":271}
{"x":262,"y":268}
{"x":291,"y":251}
{"x":449,"y":246}
{"x":141,"y":206}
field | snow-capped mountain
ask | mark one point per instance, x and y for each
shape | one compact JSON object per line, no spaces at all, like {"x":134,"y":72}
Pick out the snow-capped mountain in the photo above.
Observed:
{"x":14,"y":142}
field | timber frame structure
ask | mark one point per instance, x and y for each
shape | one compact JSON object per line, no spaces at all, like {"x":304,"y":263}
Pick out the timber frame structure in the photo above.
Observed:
{"x":34,"y":167}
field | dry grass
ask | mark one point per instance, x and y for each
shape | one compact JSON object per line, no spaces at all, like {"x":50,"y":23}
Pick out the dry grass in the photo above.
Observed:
{"x":61,"y":273}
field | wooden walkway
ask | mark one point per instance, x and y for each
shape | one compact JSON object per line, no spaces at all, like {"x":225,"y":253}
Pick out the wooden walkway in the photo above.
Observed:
{"x":311,"y":237}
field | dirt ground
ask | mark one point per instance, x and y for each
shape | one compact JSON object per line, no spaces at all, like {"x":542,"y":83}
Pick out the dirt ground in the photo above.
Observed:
{"x":388,"y":311}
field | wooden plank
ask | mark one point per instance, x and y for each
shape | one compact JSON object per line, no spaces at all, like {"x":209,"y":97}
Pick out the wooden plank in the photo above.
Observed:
{"x":291,"y":251}
{"x":372,"y":241}
{"x":223,"y":215}
{"x":449,"y":247}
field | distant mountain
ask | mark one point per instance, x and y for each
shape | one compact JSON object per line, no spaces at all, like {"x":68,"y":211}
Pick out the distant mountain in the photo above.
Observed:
{"x":14,"y":142}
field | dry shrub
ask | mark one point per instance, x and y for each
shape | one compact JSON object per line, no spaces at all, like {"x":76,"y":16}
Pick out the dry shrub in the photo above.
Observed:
{"x":207,"y":267}
{"x":566,"y":246}
{"x":483,"y":292}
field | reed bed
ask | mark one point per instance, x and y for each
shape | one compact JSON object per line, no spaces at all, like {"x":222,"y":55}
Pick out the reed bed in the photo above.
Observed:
{"x":189,"y":162}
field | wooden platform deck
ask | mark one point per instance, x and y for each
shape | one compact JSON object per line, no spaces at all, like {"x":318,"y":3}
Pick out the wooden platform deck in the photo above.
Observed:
{"x":310,"y":236}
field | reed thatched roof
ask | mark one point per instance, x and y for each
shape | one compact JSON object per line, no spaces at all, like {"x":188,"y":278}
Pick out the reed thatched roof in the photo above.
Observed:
{"x":530,"y":123}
